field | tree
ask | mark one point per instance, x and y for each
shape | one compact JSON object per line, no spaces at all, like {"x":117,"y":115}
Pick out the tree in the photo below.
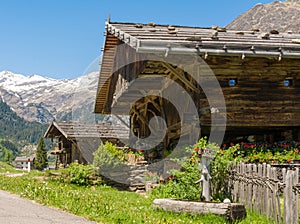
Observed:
{"x":8,"y":156}
{"x":41,"y":160}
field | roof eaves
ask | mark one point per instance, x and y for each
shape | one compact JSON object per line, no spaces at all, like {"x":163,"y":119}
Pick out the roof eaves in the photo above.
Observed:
{"x":163,"y":48}
{"x":125,"y":37}
{"x":60,"y":129}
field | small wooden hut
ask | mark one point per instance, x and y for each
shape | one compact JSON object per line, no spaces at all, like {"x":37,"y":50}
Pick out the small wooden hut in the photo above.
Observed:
{"x":77,"y":142}
{"x":259,"y":75}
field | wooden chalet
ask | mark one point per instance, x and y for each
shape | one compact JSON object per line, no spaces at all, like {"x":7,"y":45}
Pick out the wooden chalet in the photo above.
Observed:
{"x":259,"y":75}
{"x":77,"y":142}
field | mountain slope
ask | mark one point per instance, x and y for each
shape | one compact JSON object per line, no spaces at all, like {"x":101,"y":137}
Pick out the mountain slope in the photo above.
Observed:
{"x":280,"y":16}
{"x":41,"y":99}
{"x":17,"y":129}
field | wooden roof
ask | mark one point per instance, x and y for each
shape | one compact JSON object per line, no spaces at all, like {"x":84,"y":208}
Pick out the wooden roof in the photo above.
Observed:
{"x":24,"y":158}
{"x":216,"y":40}
{"x":79,"y":131}
{"x":155,"y":38}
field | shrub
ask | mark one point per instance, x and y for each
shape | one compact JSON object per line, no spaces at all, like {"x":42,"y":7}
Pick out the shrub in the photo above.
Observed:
{"x":182,"y":182}
{"x":79,"y":174}
{"x":108,"y":156}
{"x":219,"y":171}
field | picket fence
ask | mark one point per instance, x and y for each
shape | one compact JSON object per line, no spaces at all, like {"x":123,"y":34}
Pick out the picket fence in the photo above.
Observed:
{"x":267,"y":190}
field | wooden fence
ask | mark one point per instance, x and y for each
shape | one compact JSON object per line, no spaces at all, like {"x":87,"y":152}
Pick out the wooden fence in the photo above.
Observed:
{"x":266,"y":190}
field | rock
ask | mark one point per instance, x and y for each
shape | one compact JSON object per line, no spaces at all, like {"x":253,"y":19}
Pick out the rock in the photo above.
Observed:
{"x":226,"y":200}
{"x":279,"y":16}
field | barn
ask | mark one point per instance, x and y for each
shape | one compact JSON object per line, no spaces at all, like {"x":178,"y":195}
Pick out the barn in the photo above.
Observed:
{"x":178,"y":83}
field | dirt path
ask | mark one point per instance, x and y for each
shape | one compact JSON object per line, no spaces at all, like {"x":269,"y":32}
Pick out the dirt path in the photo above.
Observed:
{"x":15,"y":210}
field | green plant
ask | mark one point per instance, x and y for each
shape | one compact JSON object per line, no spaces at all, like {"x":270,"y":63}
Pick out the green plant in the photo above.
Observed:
{"x":181,"y":183}
{"x":82,"y":174}
{"x":151,"y":176}
{"x":8,"y":156}
{"x":219,"y":171}
{"x":79,"y":174}
{"x":41,"y":160}
{"x":108,"y":156}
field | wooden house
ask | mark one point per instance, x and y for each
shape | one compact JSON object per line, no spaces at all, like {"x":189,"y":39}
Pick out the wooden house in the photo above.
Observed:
{"x":77,"y":142}
{"x":258,"y":73}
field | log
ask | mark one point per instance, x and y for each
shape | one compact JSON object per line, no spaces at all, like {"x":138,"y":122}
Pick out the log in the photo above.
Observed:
{"x":232,"y":211}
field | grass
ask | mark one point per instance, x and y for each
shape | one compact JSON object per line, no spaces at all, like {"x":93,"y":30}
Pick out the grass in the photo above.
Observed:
{"x":6,"y":168}
{"x":103,"y":203}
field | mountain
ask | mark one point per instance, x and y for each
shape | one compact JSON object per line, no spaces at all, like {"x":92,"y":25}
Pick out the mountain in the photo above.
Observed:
{"x":17,"y":129}
{"x":280,"y":16}
{"x":41,"y":99}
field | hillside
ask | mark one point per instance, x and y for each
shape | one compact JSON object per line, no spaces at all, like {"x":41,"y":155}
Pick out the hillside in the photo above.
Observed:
{"x":17,"y":129}
{"x":280,"y":16}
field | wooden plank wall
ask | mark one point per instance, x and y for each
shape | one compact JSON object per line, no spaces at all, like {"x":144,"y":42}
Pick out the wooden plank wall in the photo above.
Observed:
{"x":260,"y":97}
{"x":259,"y":100}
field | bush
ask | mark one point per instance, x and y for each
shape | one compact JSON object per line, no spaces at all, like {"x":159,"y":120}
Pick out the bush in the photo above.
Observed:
{"x":79,"y":174}
{"x":108,"y":156}
{"x":219,"y":171}
{"x":182,"y":182}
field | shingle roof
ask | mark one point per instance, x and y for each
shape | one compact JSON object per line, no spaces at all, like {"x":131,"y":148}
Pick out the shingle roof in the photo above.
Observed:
{"x":24,"y":158}
{"x":215,"y":40}
{"x":76,"y":130}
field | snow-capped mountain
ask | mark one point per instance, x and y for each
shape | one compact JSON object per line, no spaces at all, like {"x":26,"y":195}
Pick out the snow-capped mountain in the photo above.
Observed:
{"x":37,"y":98}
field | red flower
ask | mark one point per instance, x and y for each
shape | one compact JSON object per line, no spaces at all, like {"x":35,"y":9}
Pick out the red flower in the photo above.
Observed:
{"x":231,"y":144}
{"x":196,"y":149}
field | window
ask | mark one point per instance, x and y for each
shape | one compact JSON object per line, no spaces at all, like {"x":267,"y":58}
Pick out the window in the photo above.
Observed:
{"x":232,"y":82}
{"x":288,"y":82}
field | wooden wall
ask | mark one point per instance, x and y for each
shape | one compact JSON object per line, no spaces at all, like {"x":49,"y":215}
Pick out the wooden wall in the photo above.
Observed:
{"x":258,"y":103}
{"x":260,"y":98}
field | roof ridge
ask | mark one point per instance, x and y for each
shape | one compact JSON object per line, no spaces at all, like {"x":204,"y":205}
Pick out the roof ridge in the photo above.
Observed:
{"x":161,"y":25}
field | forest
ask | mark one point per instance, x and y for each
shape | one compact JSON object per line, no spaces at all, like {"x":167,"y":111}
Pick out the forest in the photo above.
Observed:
{"x":15,"y":132}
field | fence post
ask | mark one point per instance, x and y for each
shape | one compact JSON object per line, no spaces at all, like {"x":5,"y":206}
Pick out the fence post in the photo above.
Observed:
{"x":288,"y":197}
{"x":276,"y":202}
{"x":295,"y":195}
{"x":255,"y":187}
{"x":268,"y":192}
{"x":242,"y":184}
{"x":236,"y":184}
{"x":260,"y":190}
{"x":249,"y":193}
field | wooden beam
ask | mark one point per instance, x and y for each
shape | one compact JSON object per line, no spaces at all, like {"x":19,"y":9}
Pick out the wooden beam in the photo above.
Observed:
{"x":181,"y":77}
{"x":122,"y":121}
{"x":233,"y":211}
{"x":140,"y":117}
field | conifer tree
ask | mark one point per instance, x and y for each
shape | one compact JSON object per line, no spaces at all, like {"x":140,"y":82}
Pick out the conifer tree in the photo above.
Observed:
{"x":41,"y":160}
{"x":8,"y":156}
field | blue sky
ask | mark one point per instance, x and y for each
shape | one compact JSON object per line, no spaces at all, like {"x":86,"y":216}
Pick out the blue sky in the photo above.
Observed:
{"x":60,"y":38}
